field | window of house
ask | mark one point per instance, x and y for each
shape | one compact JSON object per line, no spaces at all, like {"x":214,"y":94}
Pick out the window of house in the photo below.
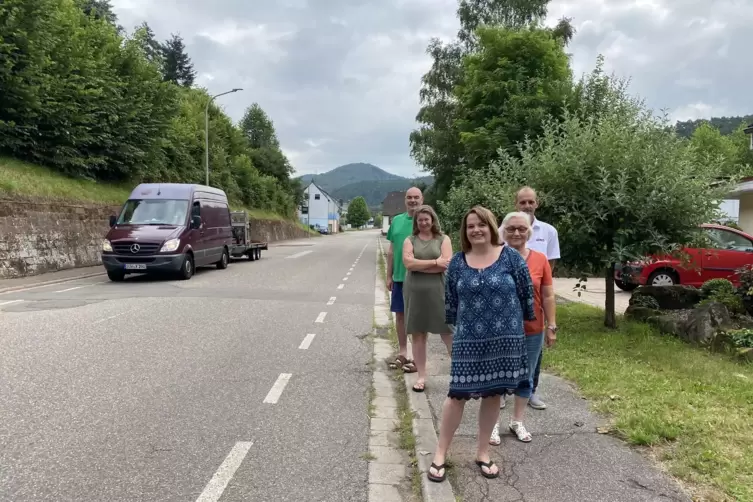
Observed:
{"x":317,"y":196}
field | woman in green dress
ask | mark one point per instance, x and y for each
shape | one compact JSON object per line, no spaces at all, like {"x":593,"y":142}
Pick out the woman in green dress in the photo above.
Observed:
{"x":426,"y":255}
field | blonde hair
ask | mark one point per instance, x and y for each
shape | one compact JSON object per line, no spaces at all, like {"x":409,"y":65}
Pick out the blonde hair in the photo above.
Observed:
{"x":519,"y":214}
{"x":426,"y":209}
{"x":526,"y":189}
{"x":487,"y":218}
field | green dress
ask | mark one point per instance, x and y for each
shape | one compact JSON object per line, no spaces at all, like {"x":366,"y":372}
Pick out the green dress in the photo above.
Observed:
{"x":423,"y":293}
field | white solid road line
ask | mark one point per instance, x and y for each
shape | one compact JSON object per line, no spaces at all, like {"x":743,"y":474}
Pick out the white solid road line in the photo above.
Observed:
{"x":276,"y":391}
{"x":306,"y":343}
{"x":320,"y":317}
{"x":331,"y":300}
{"x":341,"y":286}
{"x":298,"y":255}
{"x":224,"y":474}
{"x":112,"y":317}
{"x":12,"y":301}
{"x":75,"y":287}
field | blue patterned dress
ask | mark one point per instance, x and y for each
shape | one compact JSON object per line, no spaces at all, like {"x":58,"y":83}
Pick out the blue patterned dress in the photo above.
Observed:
{"x":487,"y":307}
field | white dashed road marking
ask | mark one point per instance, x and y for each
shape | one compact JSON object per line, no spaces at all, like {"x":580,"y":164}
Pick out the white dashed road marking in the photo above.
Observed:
{"x":298,"y":255}
{"x":306,"y":343}
{"x":276,"y":391}
{"x":111,"y":317}
{"x":331,"y":300}
{"x":224,"y":474}
{"x":320,"y":317}
{"x":12,"y":301}
{"x":71,"y":289}
{"x":341,"y":286}
{"x":345,"y":278}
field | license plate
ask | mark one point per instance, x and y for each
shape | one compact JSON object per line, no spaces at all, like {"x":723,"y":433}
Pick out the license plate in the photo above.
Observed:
{"x":135,"y":266}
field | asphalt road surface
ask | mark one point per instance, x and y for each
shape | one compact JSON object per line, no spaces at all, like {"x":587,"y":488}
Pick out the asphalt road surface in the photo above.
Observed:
{"x":244,"y":384}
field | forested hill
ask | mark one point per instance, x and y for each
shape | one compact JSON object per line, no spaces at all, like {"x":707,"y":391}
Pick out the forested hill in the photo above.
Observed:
{"x":726,"y":125}
{"x":361,"y":179}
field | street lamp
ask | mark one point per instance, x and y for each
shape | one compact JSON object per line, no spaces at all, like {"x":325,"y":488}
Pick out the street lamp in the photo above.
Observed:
{"x":206,"y":129}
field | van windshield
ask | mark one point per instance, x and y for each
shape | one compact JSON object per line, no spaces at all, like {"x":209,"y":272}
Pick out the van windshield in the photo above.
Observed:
{"x":154,"y":212}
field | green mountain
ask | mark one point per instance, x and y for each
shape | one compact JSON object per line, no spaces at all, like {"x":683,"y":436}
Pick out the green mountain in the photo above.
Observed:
{"x":726,"y":125}
{"x":365,"y":180}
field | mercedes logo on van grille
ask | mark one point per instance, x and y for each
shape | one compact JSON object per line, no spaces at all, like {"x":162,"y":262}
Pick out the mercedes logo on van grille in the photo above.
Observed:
{"x":135,"y":248}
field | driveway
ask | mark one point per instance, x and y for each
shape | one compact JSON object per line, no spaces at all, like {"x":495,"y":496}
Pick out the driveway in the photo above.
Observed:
{"x":595,"y":293}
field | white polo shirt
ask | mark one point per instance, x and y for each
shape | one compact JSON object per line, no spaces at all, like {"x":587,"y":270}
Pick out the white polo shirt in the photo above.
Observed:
{"x":544,"y":240}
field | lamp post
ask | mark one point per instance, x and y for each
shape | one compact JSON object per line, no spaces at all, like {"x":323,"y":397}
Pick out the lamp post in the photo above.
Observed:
{"x":206,"y":129}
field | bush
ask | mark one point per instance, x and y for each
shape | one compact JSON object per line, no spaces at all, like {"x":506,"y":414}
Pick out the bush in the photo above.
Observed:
{"x":714,"y":286}
{"x":741,"y":338}
{"x":645,"y":301}
{"x":730,"y":300}
{"x":746,"y":287}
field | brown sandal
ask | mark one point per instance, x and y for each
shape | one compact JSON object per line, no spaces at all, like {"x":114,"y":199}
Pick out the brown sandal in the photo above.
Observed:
{"x":407,"y":365}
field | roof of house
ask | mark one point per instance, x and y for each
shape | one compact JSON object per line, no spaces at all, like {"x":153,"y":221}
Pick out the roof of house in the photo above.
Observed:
{"x":393,"y":204}
{"x":331,"y":199}
{"x":749,"y":129}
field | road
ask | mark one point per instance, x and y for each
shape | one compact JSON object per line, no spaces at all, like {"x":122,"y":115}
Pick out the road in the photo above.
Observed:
{"x":244,"y":384}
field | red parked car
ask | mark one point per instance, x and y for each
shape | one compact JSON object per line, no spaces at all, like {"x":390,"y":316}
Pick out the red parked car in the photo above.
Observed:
{"x":731,"y":250}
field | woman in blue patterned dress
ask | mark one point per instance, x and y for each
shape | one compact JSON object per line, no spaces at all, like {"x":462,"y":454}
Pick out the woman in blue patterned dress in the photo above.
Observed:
{"x":488,"y":295}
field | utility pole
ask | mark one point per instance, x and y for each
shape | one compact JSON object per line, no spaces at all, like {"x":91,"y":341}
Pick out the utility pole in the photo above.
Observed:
{"x":206,"y":130}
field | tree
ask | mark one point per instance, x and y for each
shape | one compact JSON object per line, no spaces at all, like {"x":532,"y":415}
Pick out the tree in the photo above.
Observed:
{"x":261,"y":137}
{"x":101,"y":10}
{"x":152,"y":48}
{"x":515,"y":80}
{"x":617,"y":188}
{"x":358,"y":212}
{"x":378,"y":219}
{"x":435,"y":144}
{"x":178,"y":66}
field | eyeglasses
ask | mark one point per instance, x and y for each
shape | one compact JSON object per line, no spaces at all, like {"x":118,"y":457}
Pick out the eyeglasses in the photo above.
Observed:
{"x":512,"y":230}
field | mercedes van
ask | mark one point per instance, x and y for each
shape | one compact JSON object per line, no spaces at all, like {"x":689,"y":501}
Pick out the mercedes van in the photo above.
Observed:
{"x":168,"y":227}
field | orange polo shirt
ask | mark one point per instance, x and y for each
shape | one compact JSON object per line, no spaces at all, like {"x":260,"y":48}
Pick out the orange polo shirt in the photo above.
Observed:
{"x":541,"y":275}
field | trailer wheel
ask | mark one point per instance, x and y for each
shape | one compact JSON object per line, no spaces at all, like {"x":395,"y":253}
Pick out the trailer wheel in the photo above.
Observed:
{"x":252,"y":255}
{"x":258,"y":253}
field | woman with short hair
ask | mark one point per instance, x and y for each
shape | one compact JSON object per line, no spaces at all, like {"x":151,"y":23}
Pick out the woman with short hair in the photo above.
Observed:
{"x":516,"y":231}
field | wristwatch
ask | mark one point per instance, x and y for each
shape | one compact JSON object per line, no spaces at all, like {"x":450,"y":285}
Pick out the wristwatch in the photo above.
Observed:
{"x":553,"y":328}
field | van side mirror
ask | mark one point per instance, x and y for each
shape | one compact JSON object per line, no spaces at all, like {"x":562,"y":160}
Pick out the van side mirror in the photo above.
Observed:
{"x":196,"y":222}
{"x":113,"y":220}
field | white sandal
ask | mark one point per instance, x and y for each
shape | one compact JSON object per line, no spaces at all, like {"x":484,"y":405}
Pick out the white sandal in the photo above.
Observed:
{"x":520,"y":431}
{"x":495,"y":440}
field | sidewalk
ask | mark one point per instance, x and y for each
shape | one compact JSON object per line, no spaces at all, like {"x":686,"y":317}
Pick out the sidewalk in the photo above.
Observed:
{"x":567,"y":461}
{"x":8,"y":285}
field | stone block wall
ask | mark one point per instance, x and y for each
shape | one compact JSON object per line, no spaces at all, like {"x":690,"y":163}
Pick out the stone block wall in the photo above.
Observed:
{"x":43,"y":236}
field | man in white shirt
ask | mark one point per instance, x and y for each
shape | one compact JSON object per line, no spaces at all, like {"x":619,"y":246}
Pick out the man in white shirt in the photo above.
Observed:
{"x":545,"y":240}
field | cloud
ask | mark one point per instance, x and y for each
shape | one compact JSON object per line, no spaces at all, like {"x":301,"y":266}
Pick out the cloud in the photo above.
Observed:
{"x":340,"y":78}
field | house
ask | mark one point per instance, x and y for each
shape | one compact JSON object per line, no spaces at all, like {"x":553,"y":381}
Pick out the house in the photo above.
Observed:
{"x":742,"y":195}
{"x":392,"y":205}
{"x":319,"y":209}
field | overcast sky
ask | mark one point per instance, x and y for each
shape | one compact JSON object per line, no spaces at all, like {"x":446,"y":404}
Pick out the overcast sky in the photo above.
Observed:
{"x":340,"y":78}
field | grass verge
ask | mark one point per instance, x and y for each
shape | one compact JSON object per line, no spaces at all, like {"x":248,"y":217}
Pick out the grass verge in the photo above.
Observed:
{"x":691,"y":407}
{"x":404,"y":428}
{"x":30,"y":180}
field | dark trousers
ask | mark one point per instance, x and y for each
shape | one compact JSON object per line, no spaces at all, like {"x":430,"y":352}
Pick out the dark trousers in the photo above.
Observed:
{"x":536,"y":373}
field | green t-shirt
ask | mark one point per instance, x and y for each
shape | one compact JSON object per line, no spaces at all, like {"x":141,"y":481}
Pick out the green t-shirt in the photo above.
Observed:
{"x":401,"y":228}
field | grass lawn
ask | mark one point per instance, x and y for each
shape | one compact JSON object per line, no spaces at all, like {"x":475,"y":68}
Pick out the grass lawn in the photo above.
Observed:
{"x":692,"y":407}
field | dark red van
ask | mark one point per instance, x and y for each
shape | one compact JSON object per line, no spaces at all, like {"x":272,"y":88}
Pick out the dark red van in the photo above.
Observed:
{"x":168,"y":227}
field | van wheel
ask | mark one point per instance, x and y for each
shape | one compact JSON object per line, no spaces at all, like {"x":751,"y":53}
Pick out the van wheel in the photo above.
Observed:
{"x":222,"y":264}
{"x":187,"y":269}
{"x":116,"y":276}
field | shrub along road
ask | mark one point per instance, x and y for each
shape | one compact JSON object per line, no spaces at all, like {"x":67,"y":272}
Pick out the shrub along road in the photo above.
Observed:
{"x":249,"y":383}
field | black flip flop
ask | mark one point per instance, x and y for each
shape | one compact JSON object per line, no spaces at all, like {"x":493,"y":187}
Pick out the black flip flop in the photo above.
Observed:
{"x":437,"y":479}
{"x":419,"y":389}
{"x":488,"y":465}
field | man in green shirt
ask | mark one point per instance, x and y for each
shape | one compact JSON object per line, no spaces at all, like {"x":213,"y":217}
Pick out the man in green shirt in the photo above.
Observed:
{"x":401,"y":227}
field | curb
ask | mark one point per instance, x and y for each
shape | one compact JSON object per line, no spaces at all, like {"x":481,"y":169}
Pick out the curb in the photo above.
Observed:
{"x":425,"y":434}
{"x":50,"y":282}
